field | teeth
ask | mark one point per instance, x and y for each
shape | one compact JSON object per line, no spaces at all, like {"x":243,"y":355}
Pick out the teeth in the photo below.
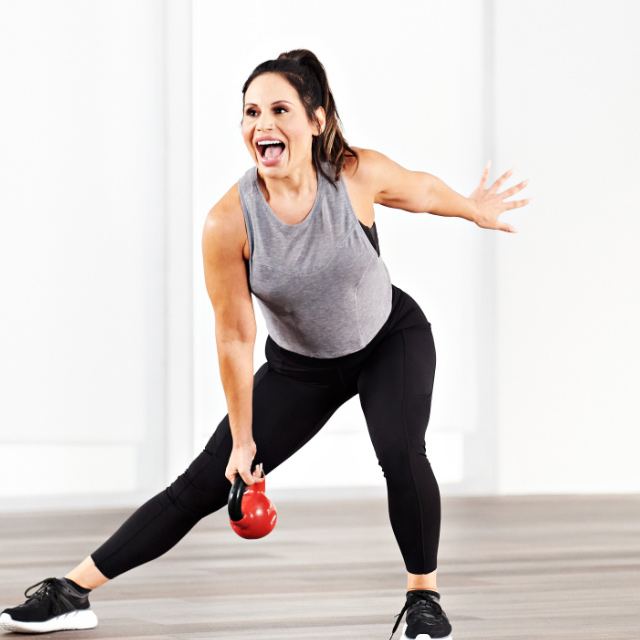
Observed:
{"x":269,"y":142}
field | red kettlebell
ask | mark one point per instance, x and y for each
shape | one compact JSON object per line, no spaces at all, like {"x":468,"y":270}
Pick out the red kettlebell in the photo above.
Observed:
{"x":251,"y":514}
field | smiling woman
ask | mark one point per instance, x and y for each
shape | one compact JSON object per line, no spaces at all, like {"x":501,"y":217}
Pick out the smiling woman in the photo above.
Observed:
{"x":297,"y":231}
{"x":297,"y":92}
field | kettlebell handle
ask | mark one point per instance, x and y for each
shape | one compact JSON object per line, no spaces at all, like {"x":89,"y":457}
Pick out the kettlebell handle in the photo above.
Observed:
{"x":235,"y":499}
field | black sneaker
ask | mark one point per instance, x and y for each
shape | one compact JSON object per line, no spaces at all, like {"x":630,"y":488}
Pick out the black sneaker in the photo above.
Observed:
{"x":55,"y":606}
{"x":425,"y":618}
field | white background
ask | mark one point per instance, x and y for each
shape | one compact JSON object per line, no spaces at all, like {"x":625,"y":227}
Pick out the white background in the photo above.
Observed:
{"x":119,"y":129}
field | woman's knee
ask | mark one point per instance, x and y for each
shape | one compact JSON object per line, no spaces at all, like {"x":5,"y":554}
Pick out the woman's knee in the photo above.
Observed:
{"x":401,"y":465}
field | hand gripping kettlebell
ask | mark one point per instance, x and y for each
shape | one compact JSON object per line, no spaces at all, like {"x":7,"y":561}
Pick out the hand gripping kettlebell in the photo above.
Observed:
{"x":251,"y":514}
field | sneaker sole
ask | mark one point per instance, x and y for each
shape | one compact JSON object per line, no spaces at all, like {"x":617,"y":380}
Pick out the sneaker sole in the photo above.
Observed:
{"x":422,"y":636}
{"x":81,"y":619}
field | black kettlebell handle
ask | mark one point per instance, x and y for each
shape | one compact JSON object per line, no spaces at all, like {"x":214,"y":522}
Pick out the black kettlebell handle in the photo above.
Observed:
{"x":235,"y":499}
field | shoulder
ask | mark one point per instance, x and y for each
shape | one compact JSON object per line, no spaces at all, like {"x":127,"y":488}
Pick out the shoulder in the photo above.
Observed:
{"x":372,"y":170}
{"x":369,"y":167}
{"x":225,"y":221}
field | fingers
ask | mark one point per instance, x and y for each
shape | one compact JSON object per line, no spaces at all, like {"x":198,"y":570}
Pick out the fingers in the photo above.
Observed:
{"x":251,"y":477}
{"x":248,"y":477}
{"x":496,"y":185}
{"x":485,"y":175}
{"x":517,"y":203}
{"x":244,"y":473}
{"x":512,"y":190}
{"x":258,"y":473}
{"x":503,"y":226}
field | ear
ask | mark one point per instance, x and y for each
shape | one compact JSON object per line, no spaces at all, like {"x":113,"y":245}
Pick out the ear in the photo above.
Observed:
{"x":320,"y":114}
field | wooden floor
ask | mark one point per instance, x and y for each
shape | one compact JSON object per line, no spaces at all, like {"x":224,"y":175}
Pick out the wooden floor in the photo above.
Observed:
{"x":526,"y":568}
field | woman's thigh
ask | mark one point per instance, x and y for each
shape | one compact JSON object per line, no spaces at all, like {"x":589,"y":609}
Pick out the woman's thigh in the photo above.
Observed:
{"x":395,"y":387}
{"x":288,"y":410}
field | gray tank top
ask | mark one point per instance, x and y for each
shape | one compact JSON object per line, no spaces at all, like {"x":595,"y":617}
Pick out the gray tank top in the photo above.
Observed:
{"x":322,"y":286}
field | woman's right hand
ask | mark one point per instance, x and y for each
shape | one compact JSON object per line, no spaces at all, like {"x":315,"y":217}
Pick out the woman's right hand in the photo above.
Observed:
{"x":240,"y":463}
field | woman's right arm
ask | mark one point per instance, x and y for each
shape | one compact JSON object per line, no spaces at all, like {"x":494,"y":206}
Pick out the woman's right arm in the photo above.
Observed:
{"x":223,"y":239}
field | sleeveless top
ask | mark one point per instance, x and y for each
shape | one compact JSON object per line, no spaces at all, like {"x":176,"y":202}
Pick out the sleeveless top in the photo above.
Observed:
{"x":322,"y":286}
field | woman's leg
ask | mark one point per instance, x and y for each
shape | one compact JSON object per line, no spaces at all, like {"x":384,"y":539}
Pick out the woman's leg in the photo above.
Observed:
{"x":287,"y":413}
{"x":87,"y":575}
{"x":395,"y":386}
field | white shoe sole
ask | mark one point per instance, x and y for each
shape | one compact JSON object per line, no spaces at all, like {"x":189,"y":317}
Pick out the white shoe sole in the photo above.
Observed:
{"x":80,"y":619}
{"x":422,"y":636}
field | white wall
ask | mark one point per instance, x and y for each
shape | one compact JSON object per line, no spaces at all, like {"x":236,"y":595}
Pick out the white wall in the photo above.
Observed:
{"x":408,"y":81}
{"x":108,"y":369}
{"x":81,"y":252}
{"x":567,"y":104}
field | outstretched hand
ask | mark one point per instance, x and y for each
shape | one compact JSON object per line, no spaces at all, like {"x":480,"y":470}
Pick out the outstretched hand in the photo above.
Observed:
{"x":489,"y":202}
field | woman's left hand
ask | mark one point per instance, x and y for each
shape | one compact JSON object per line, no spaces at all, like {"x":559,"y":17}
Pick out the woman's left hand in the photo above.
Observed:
{"x":489,"y":203}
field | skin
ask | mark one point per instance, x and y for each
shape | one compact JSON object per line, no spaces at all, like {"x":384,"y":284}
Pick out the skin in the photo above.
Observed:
{"x":272,"y":108}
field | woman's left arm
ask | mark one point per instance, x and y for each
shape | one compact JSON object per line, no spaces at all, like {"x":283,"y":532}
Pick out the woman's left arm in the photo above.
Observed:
{"x":421,"y":192}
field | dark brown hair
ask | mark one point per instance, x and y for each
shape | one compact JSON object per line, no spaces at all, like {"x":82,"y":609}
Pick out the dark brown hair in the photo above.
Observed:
{"x":308,"y":77}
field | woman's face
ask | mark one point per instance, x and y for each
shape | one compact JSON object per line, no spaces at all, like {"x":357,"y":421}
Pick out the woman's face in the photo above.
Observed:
{"x":273,"y":111}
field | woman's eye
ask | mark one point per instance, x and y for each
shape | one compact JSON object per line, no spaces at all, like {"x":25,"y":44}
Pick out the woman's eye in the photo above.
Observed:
{"x":251,"y":112}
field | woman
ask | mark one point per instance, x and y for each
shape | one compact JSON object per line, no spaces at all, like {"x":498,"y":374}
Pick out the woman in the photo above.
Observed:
{"x":298,"y":232}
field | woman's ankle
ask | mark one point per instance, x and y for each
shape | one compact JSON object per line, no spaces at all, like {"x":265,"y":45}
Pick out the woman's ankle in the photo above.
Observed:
{"x":417,"y":582}
{"x":87,"y":575}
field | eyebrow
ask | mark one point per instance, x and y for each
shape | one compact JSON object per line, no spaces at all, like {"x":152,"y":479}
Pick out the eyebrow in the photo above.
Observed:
{"x":253,"y":104}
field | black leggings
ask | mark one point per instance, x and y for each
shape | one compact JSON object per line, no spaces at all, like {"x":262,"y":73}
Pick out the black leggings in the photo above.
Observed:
{"x":293,"y":397}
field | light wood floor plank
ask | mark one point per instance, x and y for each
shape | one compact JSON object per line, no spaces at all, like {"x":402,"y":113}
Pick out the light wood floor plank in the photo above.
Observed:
{"x":517,"y":568}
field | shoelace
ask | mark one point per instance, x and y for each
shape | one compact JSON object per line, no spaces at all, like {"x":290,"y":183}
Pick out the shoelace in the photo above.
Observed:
{"x":48,"y":585}
{"x":433,"y":609}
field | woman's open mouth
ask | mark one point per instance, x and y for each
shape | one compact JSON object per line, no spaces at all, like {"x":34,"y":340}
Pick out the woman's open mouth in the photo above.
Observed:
{"x":270,"y":151}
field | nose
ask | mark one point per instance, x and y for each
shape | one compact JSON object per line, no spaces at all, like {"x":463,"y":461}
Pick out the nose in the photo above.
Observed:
{"x":265,"y":122}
